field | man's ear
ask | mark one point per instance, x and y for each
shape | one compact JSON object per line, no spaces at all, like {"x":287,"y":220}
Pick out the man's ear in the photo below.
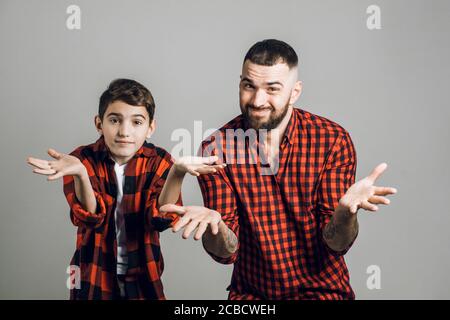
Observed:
{"x":98,"y":124}
{"x":296,"y":92}
{"x":151,"y":128}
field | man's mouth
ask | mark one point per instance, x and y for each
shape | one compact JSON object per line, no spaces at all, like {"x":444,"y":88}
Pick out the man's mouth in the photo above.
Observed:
{"x":259,"y":111}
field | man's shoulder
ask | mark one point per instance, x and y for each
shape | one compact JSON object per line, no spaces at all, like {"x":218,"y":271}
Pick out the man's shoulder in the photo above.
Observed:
{"x":311,"y":121}
{"x":234,"y":124}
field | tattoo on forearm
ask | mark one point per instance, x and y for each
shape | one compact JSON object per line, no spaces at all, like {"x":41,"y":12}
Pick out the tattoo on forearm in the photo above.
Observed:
{"x":231,"y":241}
{"x":330,"y":230}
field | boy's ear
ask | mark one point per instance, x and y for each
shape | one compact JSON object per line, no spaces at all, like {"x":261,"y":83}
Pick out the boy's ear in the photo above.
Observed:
{"x":151,"y":128}
{"x":98,"y":124}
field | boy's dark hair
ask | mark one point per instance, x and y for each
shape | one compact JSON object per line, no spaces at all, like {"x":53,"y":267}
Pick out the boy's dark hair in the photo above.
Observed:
{"x":128,"y":91}
{"x":270,"y":52}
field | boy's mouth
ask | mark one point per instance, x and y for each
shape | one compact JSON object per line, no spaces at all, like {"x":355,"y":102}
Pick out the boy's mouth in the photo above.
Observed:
{"x":123,"y":142}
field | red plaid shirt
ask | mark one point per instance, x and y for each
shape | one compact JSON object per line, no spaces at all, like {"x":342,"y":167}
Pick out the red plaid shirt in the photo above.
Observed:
{"x":279,"y":219}
{"x":96,"y":245}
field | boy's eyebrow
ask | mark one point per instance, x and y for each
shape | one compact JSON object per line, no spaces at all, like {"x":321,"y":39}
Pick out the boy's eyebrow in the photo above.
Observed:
{"x":270,"y":83}
{"x":121,"y":115}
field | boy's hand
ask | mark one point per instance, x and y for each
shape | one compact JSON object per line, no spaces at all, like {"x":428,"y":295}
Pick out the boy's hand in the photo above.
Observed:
{"x":194,"y":217}
{"x":364,"y":194}
{"x":197,"y":165}
{"x":63,"y":165}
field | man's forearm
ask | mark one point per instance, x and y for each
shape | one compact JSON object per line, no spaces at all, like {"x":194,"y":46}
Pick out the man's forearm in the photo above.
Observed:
{"x":341,"y":230}
{"x":84,"y":192}
{"x":223,"y":244}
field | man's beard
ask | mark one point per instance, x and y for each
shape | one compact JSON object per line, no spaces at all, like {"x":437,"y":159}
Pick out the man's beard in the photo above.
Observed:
{"x":274,"y":118}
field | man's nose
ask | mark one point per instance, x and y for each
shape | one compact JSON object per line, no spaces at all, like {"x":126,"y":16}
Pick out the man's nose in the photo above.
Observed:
{"x":259,"y":98}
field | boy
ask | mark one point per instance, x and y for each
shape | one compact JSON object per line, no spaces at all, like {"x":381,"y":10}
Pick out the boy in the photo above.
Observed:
{"x":114,"y":188}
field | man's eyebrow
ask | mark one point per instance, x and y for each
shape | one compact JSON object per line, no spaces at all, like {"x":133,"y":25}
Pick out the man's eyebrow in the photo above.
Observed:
{"x":270,"y":83}
{"x":246,"y":79}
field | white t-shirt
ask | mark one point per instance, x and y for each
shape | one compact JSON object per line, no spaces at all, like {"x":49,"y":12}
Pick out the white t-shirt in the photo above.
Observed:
{"x":122,"y":257}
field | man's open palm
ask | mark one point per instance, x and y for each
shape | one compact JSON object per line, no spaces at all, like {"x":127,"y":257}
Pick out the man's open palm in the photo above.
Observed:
{"x":364,"y":194}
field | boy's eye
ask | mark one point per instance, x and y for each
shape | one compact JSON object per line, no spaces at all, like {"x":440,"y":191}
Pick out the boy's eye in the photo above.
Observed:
{"x":137,"y":122}
{"x":113,"y":120}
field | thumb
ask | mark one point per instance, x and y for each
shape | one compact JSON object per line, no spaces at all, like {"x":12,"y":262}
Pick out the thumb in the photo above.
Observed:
{"x":173,"y":208}
{"x":54,"y":154}
{"x":376,"y":173}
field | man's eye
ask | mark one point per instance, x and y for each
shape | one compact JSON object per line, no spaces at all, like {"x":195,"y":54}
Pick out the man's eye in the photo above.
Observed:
{"x":248,"y":86}
{"x":273,"y":89}
{"x":137,"y":122}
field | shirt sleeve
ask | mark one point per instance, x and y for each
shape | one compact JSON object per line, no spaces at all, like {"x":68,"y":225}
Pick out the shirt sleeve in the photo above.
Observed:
{"x":78,"y":215}
{"x":219,"y":195}
{"x":338,"y":176}
{"x":160,"y":221}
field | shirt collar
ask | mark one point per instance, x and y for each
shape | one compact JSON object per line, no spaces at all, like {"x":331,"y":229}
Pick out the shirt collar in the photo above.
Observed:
{"x":289,"y":133}
{"x":102,"y":152}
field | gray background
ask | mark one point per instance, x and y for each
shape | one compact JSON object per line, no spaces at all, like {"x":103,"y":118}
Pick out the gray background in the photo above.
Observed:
{"x":388,"y":88}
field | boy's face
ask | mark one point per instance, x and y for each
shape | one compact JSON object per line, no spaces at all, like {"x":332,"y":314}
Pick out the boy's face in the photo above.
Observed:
{"x":125,"y":128}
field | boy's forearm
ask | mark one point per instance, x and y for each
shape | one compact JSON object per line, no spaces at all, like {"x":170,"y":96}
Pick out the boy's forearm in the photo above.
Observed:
{"x":84,"y":192}
{"x":341,"y":230}
{"x":223,"y":244}
{"x":172,"y":187}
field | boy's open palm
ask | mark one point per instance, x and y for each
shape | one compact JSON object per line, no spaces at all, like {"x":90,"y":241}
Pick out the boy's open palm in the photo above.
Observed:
{"x":63,"y":165}
{"x":198,"y":165}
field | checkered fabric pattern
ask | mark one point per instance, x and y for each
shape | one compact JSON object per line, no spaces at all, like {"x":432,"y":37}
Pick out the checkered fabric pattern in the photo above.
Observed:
{"x":279,"y":218}
{"x":96,"y":244}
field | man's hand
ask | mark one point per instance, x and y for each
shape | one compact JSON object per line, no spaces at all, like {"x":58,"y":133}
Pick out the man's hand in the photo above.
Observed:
{"x":364,"y":194}
{"x":194,"y":217}
{"x":197,"y":165}
{"x":63,"y":165}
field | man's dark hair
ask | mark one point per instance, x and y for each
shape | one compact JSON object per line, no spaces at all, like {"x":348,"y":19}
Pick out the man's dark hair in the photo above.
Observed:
{"x":128,"y":91}
{"x":270,"y":52}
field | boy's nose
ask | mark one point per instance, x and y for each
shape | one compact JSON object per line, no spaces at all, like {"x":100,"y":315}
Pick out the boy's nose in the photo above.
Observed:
{"x":124,"y":131}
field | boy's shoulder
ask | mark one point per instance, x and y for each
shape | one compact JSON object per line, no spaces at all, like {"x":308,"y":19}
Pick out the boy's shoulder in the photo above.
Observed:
{"x":97,"y":152}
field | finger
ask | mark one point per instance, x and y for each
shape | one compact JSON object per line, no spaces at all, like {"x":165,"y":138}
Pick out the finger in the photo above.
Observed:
{"x":54,"y":154}
{"x":201,"y":230}
{"x":375,"y":174}
{"x":206,"y":170}
{"x":55,"y":176}
{"x":219,"y":166}
{"x":193,"y":172}
{"x":182,"y":222}
{"x":379,"y":200}
{"x":45,"y":172}
{"x":41,"y":164}
{"x":368,"y":206}
{"x":190,"y":227}
{"x":214,"y":225}
{"x":209,"y":160}
{"x":172,"y":208}
{"x":383,"y":191}
{"x":354,"y":208}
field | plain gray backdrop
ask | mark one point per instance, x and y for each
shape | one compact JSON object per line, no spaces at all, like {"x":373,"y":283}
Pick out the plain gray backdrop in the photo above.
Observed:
{"x":389,"y":88}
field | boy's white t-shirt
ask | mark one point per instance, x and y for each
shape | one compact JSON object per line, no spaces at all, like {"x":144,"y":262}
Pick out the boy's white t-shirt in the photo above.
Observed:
{"x":122,"y":257}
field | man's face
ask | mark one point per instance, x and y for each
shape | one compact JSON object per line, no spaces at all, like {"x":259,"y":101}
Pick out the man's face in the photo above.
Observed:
{"x":125,"y":128}
{"x":266,"y":93}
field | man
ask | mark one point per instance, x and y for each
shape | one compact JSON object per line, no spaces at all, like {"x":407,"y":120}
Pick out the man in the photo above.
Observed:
{"x":286,"y":230}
